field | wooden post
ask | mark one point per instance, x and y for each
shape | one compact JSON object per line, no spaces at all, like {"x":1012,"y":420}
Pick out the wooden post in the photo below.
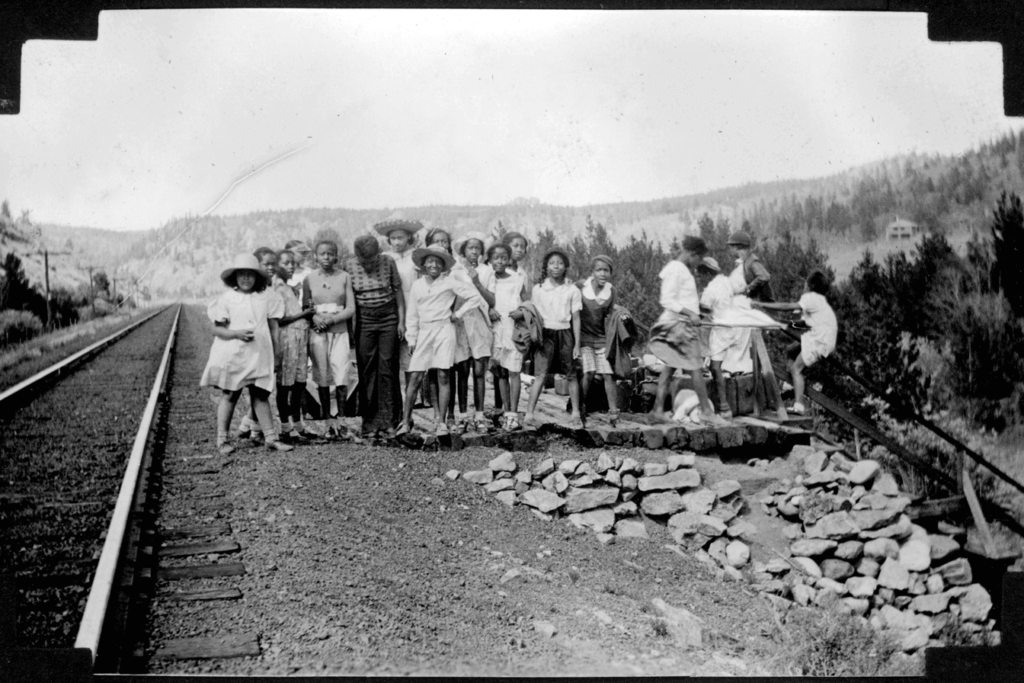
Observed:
{"x":979,"y":519}
{"x":756,"y":370}
{"x":856,"y":443}
{"x":46,"y":279}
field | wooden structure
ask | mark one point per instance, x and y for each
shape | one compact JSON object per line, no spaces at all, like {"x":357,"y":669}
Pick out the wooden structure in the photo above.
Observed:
{"x":901,"y":229}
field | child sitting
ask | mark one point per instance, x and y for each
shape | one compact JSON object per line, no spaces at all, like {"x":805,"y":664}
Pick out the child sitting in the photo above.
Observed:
{"x":816,"y":343}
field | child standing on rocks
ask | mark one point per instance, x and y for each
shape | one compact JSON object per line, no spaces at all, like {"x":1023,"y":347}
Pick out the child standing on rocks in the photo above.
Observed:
{"x":819,"y":341}
{"x":473,"y":333}
{"x":598,"y":301}
{"x":508,"y":291}
{"x":430,"y":331}
{"x":559,"y":303}
{"x":245,"y":348}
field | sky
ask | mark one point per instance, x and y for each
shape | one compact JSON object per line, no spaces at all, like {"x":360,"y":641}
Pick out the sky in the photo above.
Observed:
{"x":169,"y":113}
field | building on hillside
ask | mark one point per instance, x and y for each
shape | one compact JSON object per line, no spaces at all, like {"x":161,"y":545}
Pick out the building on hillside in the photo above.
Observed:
{"x":901,"y":229}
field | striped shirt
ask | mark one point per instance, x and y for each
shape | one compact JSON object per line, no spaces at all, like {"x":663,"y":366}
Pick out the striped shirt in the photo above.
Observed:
{"x":377,"y":286}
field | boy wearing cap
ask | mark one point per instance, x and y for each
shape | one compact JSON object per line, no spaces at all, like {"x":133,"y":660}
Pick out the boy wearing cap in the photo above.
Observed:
{"x":679,"y":322}
{"x":755,"y":276}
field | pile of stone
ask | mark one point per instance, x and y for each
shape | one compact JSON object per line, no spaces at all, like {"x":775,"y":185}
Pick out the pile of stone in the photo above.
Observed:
{"x":854,"y":548}
{"x":608,"y":496}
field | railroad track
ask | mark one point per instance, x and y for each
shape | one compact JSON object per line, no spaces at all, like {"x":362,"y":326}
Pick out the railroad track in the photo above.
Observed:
{"x":77,"y":440}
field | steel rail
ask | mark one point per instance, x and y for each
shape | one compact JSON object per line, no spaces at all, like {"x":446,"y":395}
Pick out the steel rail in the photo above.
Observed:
{"x":96,"y":607}
{"x":17,"y":390}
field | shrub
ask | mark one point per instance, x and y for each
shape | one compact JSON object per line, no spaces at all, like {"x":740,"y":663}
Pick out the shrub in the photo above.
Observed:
{"x":18,"y":326}
{"x":827,"y":643}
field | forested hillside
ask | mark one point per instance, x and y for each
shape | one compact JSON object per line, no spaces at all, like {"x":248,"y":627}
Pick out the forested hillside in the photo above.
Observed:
{"x":944,"y":194}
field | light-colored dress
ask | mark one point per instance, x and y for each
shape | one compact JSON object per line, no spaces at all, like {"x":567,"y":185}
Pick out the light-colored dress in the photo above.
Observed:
{"x":473,"y":335}
{"x":507,"y":298}
{"x":330,"y":351}
{"x":294,"y":337}
{"x":428,"y":325}
{"x":731,"y":345}
{"x":820,"y":340}
{"x":235,"y":363}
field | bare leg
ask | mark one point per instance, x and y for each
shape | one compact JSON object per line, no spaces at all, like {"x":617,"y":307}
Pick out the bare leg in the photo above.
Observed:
{"x":261,"y":406}
{"x":719,"y":377}
{"x":798,"y":380}
{"x":501,"y":384}
{"x":659,"y":397}
{"x":444,"y":389}
{"x":516,"y":386}
{"x":540,"y":376}
{"x":479,"y":383}
{"x":225,"y":410}
{"x":574,"y":394}
{"x":411,"y":387}
{"x":611,"y":391}
{"x":585,"y":381}
{"x":701,"y":387}
{"x":462,"y":386}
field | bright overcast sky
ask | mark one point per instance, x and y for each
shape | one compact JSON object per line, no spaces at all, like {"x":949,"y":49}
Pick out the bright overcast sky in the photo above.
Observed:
{"x":161,"y":114}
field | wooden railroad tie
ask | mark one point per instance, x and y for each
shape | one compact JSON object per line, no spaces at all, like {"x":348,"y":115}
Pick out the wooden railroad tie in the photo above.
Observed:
{"x":197,"y":531}
{"x":187,"y":549}
{"x":210,"y":647}
{"x":203,"y":571}
{"x":209,"y":594}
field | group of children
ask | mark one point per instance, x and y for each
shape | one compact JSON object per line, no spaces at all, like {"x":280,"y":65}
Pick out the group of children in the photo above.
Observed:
{"x":427,"y":320}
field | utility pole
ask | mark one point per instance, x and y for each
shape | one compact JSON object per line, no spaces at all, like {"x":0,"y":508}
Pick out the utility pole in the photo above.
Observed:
{"x":46,"y":279}
{"x":92,"y":296}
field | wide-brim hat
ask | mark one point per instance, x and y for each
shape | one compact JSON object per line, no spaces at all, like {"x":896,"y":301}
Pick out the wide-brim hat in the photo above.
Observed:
{"x":459,"y":245}
{"x":711,"y":264}
{"x":739,"y":239}
{"x":552,"y":252}
{"x":243,"y":262}
{"x":418,"y":256}
{"x":385,"y":228}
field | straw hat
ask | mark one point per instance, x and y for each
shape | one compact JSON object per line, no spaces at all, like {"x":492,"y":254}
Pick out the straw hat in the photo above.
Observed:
{"x":243,"y":262}
{"x":419,"y":255}
{"x":387,"y":227}
{"x":459,"y":245}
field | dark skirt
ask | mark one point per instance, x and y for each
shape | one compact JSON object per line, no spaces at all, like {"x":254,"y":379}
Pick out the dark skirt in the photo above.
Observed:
{"x":376,"y":341}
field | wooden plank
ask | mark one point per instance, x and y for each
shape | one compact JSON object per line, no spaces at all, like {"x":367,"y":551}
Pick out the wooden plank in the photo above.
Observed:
{"x":210,"y":647}
{"x":211,"y":594}
{"x":772,"y":384}
{"x":979,"y":519}
{"x":757,"y":422}
{"x":184,"y":550}
{"x":197,"y":531}
{"x":202,"y":571}
{"x":940,"y":507}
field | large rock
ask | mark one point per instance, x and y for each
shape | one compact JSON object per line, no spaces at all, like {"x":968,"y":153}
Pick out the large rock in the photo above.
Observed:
{"x":942,"y":547}
{"x":687,"y":522}
{"x":568,"y":467}
{"x":681,"y":460}
{"x":811,"y":547}
{"x":809,"y":566}
{"x":863,"y":472}
{"x":930,"y":604}
{"x":830,"y":584}
{"x":956,"y":573}
{"x":684,"y":626}
{"x":580,"y":500}
{"x":545,"y":501}
{"x":894,"y":575}
{"x":857,"y":606}
{"x":826,"y":476}
{"x":835,"y":525}
{"x":884,"y":483}
{"x":868,"y":567}
{"x":501,"y":485}
{"x":507,"y":498}
{"x":613,"y":477}
{"x":556,"y":481}
{"x":874,"y":519}
{"x":699,"y":502}
{"x":814,"y":506}
{"x":726,"y":488}
{"x":861,"y":586}
{"x":523,"y":477}
{"x":901,"y":529}
{"x":654,"y":469}
{"x":601,"y":520}
{"x":479,"y":476}
{"x":627,"y":509}
{"x":544,"y":468}
{"x":837,"y":570}
{"x":631,"y":528}
{"x":881,"y":548}
{"x":739,"y":528}
{"x":666,"y":503}
{"x":503,"y":463}
{"x":915,"y":555}
{"x":975,"y":603}
{"x":680,"y":479}
{"x":737,"y":553}
{"x":815,"y":462}
{"x":803,"y":595}
{"x":935,"y":584}
{"x":914,"y":640}
{"x":709,"y":526}
{"x":605,"y":462}
{"x":628,"y":481}
{"x":629,"y":466}
{"x":849,"y":550}
{"x":724,"y":512}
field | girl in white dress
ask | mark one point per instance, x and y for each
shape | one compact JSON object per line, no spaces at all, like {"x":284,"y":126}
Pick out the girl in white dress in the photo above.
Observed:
{"x":509,"y":291}
{"x":245,"y":351}
{"x":473,"y":333}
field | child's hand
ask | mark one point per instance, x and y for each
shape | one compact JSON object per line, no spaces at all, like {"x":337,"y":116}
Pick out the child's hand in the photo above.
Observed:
{"x":576,"y":352}
{"x":495,"y":316}
{"x":245,"y":335}
{"x":516,"y":315}
{"x":455,"y":318}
